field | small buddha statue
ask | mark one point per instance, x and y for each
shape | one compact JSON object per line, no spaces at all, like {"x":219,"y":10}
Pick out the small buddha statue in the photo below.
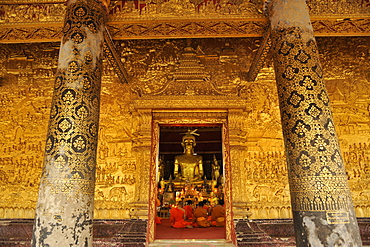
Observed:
{"x":188,"y":166}
{"x":170,"y":187}
{"x":215,"y":169}
{"x":161,"y":167}
{"x":162,"y":183}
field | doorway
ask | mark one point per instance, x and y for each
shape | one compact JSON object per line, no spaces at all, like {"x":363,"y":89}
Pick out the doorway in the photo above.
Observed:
{"x":212,"y":146}
{"x":207,"y":186}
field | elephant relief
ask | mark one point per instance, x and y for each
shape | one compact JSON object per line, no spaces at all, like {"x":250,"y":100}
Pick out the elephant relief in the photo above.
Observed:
{"x":282,"y":195}
{"x":263,"y":193}
{"x":117,"y":194}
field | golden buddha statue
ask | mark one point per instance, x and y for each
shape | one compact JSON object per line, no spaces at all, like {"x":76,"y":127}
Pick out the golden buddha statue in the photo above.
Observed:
{"x":188,"y":166}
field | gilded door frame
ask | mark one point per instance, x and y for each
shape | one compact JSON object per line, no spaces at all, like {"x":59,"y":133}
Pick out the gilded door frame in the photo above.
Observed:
{"x":190,"y":117}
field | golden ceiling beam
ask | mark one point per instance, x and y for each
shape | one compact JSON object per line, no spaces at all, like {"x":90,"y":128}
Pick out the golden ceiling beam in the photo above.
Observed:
{"x":207,"y":28}
{"x":169,"y":29}
{"x":113,"y":58}
{"x":260,"y":57}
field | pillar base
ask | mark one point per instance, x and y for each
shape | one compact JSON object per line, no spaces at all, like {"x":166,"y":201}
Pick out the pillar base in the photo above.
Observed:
{"x":312,"y":228}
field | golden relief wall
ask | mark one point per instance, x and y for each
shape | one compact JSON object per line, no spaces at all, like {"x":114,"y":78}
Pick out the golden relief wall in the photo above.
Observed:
{"x":158,"y":70}
{"x":25,"y":95}
{"x":48,"y":10}
{"x":42,"y":20}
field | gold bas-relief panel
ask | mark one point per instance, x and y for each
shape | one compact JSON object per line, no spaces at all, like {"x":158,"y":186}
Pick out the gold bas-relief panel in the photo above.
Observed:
{"x":121,"y":10}
{"x":159,"y":72}
{"x":38,"y":20}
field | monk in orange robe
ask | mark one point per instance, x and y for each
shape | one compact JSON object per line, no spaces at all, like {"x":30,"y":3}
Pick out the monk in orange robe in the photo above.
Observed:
{"x":177,"y":217}
{"x":218,"y":214}
{"x":158,"y":220}
{"x":200,"y":216}
{"x":189,"y":210}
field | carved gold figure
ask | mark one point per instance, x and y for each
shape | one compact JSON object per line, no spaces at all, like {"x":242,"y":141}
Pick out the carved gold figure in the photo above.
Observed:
{"x":215,"y":169}
{"x":188,"y":166}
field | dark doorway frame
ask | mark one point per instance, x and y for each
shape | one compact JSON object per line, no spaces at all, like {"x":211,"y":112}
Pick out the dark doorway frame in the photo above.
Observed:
{"x":218,"y":118}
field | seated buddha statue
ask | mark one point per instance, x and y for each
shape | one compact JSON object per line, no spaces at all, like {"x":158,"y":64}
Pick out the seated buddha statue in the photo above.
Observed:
{"x":188,"y":167}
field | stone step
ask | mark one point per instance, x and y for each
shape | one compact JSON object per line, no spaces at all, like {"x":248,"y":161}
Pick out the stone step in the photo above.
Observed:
{"x":253,"y":236}
{"x":266,"y":245}
{"x":254,"y":227}
{"x":254,"y":240}
{"x":190,"y":243}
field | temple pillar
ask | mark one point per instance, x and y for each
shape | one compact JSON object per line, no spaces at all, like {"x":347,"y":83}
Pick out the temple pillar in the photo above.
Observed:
{"x":241,"y":202}
{"x":322,"y":207}
{"x":64,"y":211}
{"x":142,"y":152}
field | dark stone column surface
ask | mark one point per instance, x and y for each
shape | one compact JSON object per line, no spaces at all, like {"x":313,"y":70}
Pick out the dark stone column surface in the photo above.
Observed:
{"x":321,"y":201}
{"x":64,"y":211}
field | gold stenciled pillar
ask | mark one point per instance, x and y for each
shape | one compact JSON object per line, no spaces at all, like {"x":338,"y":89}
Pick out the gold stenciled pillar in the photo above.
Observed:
{"x":64,"y":211}
{"x":322,"y":206}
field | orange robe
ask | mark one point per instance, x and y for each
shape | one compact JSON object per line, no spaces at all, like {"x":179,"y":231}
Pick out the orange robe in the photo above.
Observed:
{"x":177,"y":218}
{"x":218,"y":216}
{"x":188,"y":211}
{"x":158,"y":220}
{"x":200,"y":218}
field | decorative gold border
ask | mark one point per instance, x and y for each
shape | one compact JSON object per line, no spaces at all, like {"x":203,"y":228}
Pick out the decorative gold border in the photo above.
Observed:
{"x":153,"y":190}
{"x":230,"y":229}
{"x":31,"y":1}
{"x":166,"y":29}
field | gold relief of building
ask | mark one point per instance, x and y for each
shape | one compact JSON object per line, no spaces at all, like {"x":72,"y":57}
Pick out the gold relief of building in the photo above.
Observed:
{"x":181,"y":71}
{"x":259,"y":174}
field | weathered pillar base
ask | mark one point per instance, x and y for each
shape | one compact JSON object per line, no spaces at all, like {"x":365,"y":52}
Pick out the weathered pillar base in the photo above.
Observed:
{"x":65,"y":206}
{"x":322,"y":207}
{"x":316,"y":226}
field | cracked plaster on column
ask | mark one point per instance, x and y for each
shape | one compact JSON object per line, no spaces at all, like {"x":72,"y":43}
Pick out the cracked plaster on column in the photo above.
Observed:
{"x":341,"y":236}
{"x":66,"y":219}
{"x":287,"y":13}
{"x":309,"y":224}
{"x":53,"y":208}
{"x":339,"y":233}
{"x":93,"y":45}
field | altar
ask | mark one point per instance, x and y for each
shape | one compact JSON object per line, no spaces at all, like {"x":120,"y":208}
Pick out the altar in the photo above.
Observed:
{"x":190,"y":176}
{"x":193,"y":192}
